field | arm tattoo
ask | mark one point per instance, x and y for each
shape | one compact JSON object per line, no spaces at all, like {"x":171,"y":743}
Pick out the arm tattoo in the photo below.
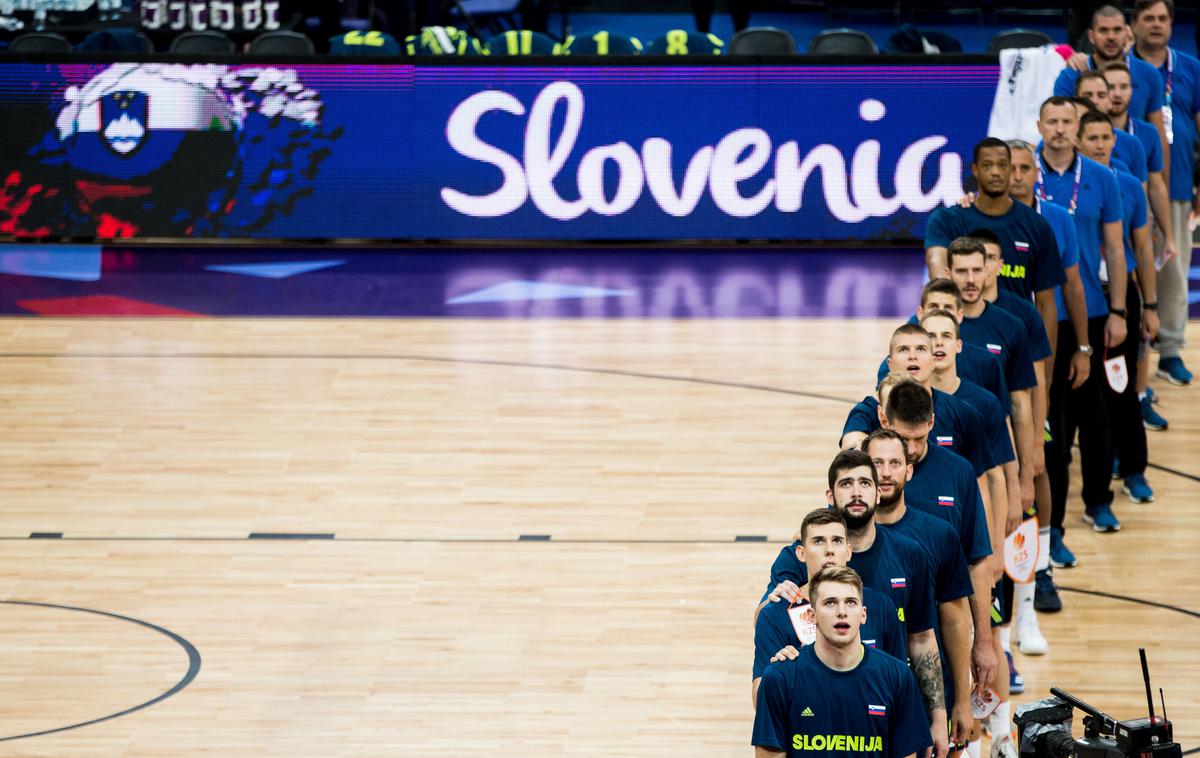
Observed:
{"x":927,"y":667}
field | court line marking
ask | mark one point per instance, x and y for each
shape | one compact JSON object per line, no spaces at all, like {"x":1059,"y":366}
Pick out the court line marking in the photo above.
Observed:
{"x":486,"y":362}
{"x":193,"y":666}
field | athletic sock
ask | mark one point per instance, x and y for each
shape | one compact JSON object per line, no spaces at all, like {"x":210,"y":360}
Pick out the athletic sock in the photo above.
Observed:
{"x":1022,"y":599}
{"x":1005,"y":637}
{"x":1000,"y":722}
{"x":974,"y":748}
{"x":1043,"y":561}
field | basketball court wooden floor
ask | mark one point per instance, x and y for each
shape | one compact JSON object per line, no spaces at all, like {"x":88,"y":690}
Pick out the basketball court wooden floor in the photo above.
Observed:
{"x":525,"y":538}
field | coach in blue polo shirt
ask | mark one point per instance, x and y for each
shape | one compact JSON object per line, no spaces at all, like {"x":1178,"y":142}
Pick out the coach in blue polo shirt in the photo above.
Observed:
{"x":839,"y":697}
{"x":1108,"y":37}
{"x":1179,"y":81}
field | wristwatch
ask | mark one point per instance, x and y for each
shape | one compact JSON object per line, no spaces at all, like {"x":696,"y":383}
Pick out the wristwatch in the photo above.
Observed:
{"x":1118,"y":312}
{"x":1086,"y":349}
{"x":1150,"y":306}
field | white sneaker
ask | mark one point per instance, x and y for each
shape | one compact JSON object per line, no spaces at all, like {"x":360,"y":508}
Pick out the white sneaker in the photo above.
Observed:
{"x":1029,"y":636}
{"x":1004,"y":747}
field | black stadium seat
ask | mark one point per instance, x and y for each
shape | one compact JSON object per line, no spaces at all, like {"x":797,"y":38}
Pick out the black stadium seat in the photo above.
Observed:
{"x":203,"y":43}
{"x":282,"y":43}
{"x":762,"y":40}
{"x":40,"y":42}
{"x":1018,"y":38}
{"x":842,"y":42}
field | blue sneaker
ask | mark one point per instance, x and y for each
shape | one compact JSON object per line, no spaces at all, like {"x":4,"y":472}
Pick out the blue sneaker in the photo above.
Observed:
{"x":1138,"y":489}
{"x":1150,"y":417}
{"x":1060,"y":556}
{"x":1173,"y":370}
{"x":1102,"y":518}
{"x":1045,"y":594}
{"x":1152,"y":396}
{"x":1016,"y":682}
{"x":1116,"y":467}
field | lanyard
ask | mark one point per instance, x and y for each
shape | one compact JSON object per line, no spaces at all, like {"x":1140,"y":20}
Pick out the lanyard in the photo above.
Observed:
{"x":1040,"y":188}
{"x":1170,"y":75}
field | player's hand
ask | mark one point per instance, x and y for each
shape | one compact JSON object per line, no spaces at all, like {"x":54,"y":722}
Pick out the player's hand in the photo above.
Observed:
{"x":961,"y":719}
{"x":1114,"y":330}
{"x":967,"y":200}
{"x":1169,"y":253}
{"x":788,"y":653}
{"x":1039,"y":456}
{"x":1149,"y":325}
{"x":1081,"y":369}
{"x":1016,"y":510}
{"x":983,"y":662}
{"x":941,"y":741}
{"x":1078,"y":62}
{"x":785,"y":590}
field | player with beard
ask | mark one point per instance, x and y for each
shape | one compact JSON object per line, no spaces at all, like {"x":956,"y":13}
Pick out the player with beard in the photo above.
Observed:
{"x":886,"y":561}
{"x":781,"y":629}
{"x":952,"y":580}
{"x":1108,"y":36}
{"x":943,"y":486}
{"x":839,"y":695}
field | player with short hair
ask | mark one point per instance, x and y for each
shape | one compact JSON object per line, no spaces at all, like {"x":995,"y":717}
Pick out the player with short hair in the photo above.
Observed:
{"x":781,"y":626}
{"x":838,"y":695}
{"x":1093,"y":87}
{"x":952,"y":579}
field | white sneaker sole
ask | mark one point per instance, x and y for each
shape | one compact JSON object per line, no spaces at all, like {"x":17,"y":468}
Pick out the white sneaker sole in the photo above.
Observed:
{"x":1133,"y":499}
{"x":1167,"y":375}
{"x":1102,"y":529}
{"x":1036,"y":646}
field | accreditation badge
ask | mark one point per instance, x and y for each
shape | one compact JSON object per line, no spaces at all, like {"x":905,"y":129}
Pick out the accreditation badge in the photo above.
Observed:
{"x":804,"y":621}
{"x":1020,"y":552}
{"x":1117,"y":373}
{"x":1166,"y":114}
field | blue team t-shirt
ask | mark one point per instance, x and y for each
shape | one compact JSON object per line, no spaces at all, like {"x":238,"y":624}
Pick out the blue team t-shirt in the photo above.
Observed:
{"x":1147,"y":134}
{"x":1027,"y":313}
{"x":807,"y":709}
{"x":893,"y":565}
{"x":1144,"y":100}
{"x":773,"y":630}
{"x":1032,"y":262}
{"x":951,"y":577}
{"x":1003,"y":335}
{"x":942,"y":485}
{"x":974,"y":364}
{"x":1128,"y":149}
{"x":1133,"y":214}
{"x":1185,"y":103}
{"x":995,"y":426}
{"x":1098,"y":203}
{"x":955,"y":426}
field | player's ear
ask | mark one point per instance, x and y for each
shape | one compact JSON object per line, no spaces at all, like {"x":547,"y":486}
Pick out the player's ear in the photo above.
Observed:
{"x":882,"y":416}
{"x":800,"y":553}
{"x":908,"y":472}
{"x":829,"y":498}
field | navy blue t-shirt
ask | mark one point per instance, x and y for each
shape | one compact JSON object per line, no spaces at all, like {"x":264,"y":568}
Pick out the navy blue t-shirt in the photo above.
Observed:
{"x":808,"y":709}
{"x":951,"y":577}
{"x":1032,"y":262}
{"x":995,"y":426}
{"x":1028,"y":314}
{"x":955,"y":426}
{"x":942,"y":485}
{"x":977,"y":365}
{"x":773,"y":630}
{"x":893,"y":565}
{"x":1001,"y":334}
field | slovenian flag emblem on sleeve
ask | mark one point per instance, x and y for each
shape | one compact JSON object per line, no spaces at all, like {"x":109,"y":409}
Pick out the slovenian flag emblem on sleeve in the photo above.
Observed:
{"x":876,"y":710}
{"x":898,"y":582}
{"x":1021,"y":246}
{"x":945,"y":500}
{"x":944,"y":441}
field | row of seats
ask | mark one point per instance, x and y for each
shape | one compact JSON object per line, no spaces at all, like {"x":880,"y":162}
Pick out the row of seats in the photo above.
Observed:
{"x":451,"y":41}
